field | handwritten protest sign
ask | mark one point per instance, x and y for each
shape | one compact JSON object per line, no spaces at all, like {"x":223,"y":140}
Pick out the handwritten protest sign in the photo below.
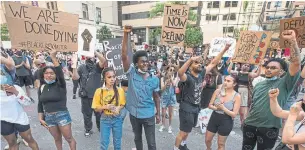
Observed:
{"x":35,"y":28}
{"x":86,"y":40}
{"x":218,"y":44}
{"x":274,"y":45}
{"x":251,"y":46}
{"x":113,"y":49}
{"x":174,"y":24}
{"x":298,"y":24}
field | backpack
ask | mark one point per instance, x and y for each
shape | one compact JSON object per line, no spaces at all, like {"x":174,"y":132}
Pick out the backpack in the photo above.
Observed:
{"x":178,"y":92}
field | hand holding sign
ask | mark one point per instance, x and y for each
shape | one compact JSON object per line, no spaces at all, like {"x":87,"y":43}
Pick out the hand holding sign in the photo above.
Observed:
{"x":53,"y":52}
{"x":228,"y":45}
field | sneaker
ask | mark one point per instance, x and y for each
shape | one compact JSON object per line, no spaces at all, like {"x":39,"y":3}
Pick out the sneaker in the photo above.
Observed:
{"x":74,"y":96}
{"x":161,"y":128}
{"x":183,"y":147}
{"x":25,"y":143}
{"x":170,"y":130}
{"x":7,"y":147}
{"x":19,"y":140}
{"x":88,"y":133}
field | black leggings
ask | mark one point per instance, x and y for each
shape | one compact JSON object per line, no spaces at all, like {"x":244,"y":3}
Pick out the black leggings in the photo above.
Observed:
{"x":265,"y":138}
{"x":75,"y":85}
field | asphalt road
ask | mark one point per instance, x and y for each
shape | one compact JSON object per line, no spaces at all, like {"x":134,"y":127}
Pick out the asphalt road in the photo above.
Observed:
{"x":165,"y":141}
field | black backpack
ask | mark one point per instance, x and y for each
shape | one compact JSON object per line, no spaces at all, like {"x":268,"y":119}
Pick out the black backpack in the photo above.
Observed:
{"x":179,"y":95}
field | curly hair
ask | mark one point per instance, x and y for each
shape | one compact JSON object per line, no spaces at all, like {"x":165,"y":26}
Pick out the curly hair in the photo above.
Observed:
{"x":139,"y":54}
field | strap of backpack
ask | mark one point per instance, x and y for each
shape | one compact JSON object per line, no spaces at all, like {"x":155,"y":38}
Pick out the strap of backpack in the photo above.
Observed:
{"x":41,"y":88}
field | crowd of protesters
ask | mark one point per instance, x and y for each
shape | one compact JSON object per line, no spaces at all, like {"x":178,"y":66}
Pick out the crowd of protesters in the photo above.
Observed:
{"x":262,"y":95}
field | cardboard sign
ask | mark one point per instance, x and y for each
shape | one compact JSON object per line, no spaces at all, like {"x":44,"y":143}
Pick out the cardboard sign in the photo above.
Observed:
{"x":113,"y":48}
{"x":218,"y":44}
{"x":251,"y":46}
{"x":174,"y":24}
{"x":274,"y":45}
{"x":86,"y":40}
{"x":35,"y":28}
{"x":293,"y":23}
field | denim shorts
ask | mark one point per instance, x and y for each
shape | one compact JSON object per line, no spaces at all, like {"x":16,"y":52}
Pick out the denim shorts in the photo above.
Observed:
{"x":60,"y":118}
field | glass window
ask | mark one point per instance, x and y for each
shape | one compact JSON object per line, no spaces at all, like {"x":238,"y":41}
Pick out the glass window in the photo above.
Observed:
{"x":287,"y":4}
{"x":85,"y":11}
{"x":268,"y":5}
{"x":225,"y":17}
{"x":208,"y":17}
{"x":278,"y":4}
{"x":228,"y":4}
{"x":233,"y":16}
{"x":216,"y":4}
{"x":214,"y":17}
{"x":209,"y":4}
{"x":234,"y":3}
{"x":98,"y":14}
{"x":132,"y":16}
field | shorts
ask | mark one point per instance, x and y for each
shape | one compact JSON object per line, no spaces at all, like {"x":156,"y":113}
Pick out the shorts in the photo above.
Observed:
{"x":24,"y":81}
{"x":244,"y":92}
{"x":167,"y":102}
{"x":8,"y":128}
{"x":60,"y":118}
{"x":220,"y":123}
{"x":187,"y":121}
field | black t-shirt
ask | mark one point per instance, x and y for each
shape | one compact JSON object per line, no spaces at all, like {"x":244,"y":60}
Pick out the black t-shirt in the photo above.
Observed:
{"x":192,"y":93}
{"x":37,"y":74}
{"x":53,"y":97}
{"x":89,"y":81}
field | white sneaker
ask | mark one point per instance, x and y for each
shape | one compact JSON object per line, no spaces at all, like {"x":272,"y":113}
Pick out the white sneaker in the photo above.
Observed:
{"x":7,"y":147}
{"x":170,"y":130}
{"x":19,"y":140}
{"x":25,"y":143}
{"x":161,"y":128}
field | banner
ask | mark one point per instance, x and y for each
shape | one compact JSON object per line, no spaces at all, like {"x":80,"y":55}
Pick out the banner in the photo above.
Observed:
{"x":35,"y":28}
{"x":251,"y":46}
{"x":298,"y":24}
{"x":113,"y":49}
{"x":174,"y":24}
{"x":86,"y":40}
{"x":218,"y":44}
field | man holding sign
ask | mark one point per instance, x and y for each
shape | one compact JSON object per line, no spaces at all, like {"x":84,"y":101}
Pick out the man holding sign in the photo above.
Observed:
{"x":261,"y":127}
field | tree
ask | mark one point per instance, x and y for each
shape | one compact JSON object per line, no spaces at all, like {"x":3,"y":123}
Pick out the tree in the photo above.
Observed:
{"x":104,"y":33}
{"x":246,"y":3}
{"x":4,"y":33}
{"x":193,"y":35}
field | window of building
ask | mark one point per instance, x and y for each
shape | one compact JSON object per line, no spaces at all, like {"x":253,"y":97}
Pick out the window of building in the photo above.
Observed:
{"x":208,"y":17}
{"x":52,"y":5}
{"x":141,"y":33}
{"x":231,"y":16}
{"x":215,"y":17}
{"x":228,"y":29}
{"x":214,"y":4}
{"x":211,"y":17}
{"x":278,"y":4}
{"x":124,"y":3}
{"x":85,"y":11}
{"x":132,"y":16}
{"x":98,"y":14}
{"x":268,"y":5}
{"x":225,"y":17}
{"x":231,"y":3}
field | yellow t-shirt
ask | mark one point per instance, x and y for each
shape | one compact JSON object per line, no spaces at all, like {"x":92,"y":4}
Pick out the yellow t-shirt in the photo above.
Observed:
{"x":107,"y":96}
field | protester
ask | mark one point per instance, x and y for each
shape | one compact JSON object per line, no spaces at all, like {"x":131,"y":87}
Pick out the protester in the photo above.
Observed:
{"x":142,"y":87}
{"x":261,"y":127}
{"x":226,"y":103}
{"x":192,"y":88}
{"x":52,"y":106}
{"x":13,"y":117}
{"x":293,"y":135}
{"x":75,"y":82}
{"x":212,"y":81}
{"x":110,"y":101}
{"x":89,"y":75}
{"x":22,"y":71}
{"x":244,"y":76}
{"x":37,"y":74}
{"x":168,"y":97}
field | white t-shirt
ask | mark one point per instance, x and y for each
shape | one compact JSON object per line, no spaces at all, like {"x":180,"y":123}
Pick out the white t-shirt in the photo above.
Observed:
{"x":11,"y":107}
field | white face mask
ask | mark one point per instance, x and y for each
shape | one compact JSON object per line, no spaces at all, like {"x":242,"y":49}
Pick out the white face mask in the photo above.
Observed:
{"x":141,"y":72}
{"x":159,"y":65}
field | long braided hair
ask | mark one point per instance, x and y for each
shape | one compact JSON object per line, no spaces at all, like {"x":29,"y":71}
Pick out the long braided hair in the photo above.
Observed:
{"x":115,"y":89}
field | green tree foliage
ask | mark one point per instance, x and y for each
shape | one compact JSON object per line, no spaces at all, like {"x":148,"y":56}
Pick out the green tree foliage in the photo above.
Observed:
{"x":245,"y":5}
{"x":4,"y":33}
{"x":193,"y":35}
{"x":104,"y":33}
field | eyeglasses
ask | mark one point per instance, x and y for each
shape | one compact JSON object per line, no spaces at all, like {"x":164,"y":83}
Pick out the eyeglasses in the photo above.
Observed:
{"x":271,"y":67}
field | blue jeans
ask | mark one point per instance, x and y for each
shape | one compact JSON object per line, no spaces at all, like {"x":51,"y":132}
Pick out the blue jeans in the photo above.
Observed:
{"x":107,"y":124}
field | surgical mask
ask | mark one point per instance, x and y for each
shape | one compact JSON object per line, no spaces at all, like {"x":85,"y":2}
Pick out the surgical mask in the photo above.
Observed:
{"x":141,"y":71}
{"x":159,"y":65}
{"x":49,"y":82}
{"x":273,"y":78}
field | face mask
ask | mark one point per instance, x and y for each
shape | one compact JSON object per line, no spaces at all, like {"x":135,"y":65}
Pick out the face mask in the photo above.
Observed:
{"x":273,"y":78}
{"x":141,"y":72}
{"x":49,"y":82}
{"x":159,"y":65}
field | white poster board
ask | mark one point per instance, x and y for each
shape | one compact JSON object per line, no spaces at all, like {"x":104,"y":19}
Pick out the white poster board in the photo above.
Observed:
{"x":217,"y":45}
{"x":86,"y":40}
{"x":6,"y":44}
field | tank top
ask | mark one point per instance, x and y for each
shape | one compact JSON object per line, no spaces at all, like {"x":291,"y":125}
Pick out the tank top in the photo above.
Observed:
{"x":229,"y":104}
{"x":300,"y":127}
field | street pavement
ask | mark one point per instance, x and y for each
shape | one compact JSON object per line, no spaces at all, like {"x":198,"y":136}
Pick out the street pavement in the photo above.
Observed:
{"x":165,"y":141}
